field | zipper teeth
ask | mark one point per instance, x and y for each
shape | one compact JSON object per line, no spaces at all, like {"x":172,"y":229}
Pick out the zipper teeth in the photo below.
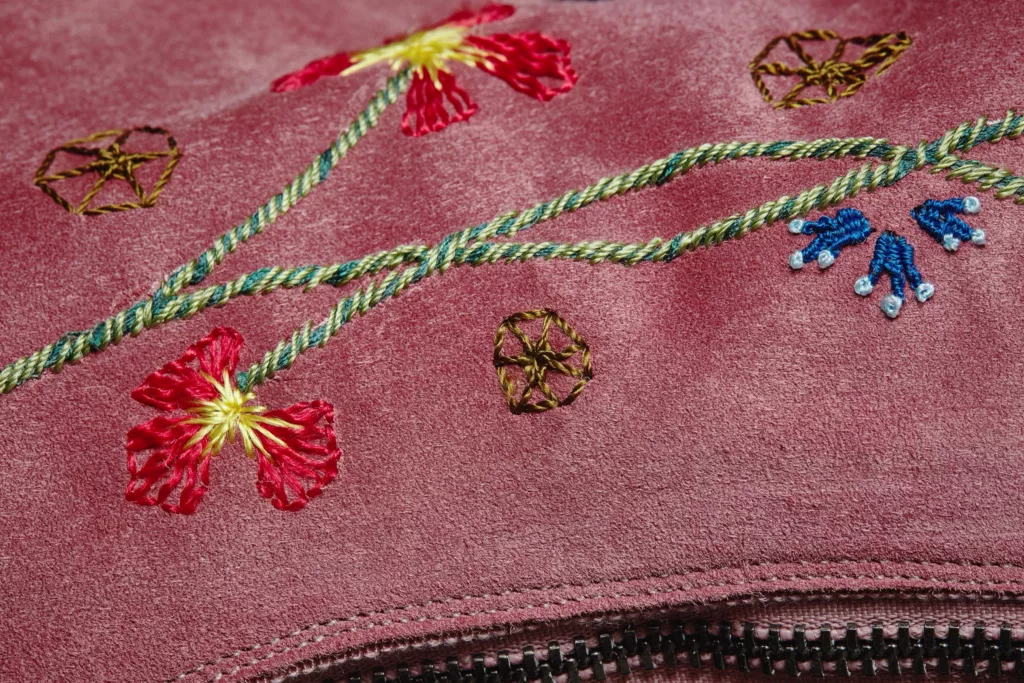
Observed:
{"x":699,"y":645}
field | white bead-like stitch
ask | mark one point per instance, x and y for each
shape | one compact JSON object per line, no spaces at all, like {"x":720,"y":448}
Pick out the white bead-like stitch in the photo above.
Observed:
{"x":891,"y":305}
{"x":796,"y":260}
{"x":825,"y":259}
{"x":796,"y":226}
{"x":924,"y":291}
{"x":863,"y":285}
{"x":978,"y":237}
{"x":950,"y":243}
{"x":972,"y":205}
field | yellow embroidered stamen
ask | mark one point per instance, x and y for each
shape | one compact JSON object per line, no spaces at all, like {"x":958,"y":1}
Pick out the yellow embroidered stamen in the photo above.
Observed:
{"x":425,"y":52}
{"x":226,"y":415}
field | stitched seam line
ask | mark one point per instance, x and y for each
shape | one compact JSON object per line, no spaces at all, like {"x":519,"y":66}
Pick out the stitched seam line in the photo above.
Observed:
{"x":622,"y":581}
{"x":386,"y":648}
{"x":456,"y":615}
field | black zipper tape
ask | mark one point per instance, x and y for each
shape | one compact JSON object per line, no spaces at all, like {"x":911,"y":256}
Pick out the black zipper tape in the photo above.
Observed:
{"x":698,"y":644}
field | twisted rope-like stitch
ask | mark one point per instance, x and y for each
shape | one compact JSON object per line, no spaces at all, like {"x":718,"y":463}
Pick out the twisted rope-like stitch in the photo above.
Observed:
{"x":471,"y":245}
{"x":441,"y":257}
{"x":315,"y":173}
{"x":73,"y":346}
{"x":536,"y":359}
{"x":109,"y":162}
{"x":839,"y":79}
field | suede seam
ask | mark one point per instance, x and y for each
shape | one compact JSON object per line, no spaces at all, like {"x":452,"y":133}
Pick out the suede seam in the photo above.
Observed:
{"x":400,"y":646}
{"x":454,"y":615}
{"x":794,"y":578}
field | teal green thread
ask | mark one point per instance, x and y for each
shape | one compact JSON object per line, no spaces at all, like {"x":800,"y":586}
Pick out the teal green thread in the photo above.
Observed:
{"x":73,"y":346}
{"x":197,"y":270}
{"x":900,"y":161}
{"x":410,"y":264}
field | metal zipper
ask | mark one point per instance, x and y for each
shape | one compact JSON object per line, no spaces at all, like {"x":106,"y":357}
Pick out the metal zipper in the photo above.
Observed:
{"x":699,"y":645}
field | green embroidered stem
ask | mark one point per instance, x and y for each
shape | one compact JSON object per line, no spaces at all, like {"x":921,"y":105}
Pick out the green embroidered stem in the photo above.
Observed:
{"x":464,"y":246}
{"x":73,"y":346}
{"x":195,"y":271}
{"x":266,"y":280}
{"x":469,"y":246}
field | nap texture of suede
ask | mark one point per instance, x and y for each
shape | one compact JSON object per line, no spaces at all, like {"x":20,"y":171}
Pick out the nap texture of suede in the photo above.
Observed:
{"x":748,"y":429}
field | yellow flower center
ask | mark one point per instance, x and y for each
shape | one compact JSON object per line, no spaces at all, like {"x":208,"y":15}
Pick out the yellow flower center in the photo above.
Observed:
{"x":223,"y":417}
{"x":426,"y":52}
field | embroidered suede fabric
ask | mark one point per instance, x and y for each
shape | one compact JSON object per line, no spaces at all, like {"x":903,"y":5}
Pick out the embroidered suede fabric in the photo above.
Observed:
{"x":748,"y":429}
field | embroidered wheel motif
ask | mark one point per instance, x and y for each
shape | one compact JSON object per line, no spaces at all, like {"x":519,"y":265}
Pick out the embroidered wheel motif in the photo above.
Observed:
{"x":539,"y":359}
{"x":109,"y":162}
{"x":819,"y":82}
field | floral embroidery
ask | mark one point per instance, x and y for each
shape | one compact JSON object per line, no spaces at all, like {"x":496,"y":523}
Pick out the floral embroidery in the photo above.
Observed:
{"x":531,"y":63}
{"x":941,"y":220}
{"x":894,"y":254}
{"x":485,"y":244}
{"x":812,"y":81}
{"x":849,"y":227}
{"x":295,"y":450}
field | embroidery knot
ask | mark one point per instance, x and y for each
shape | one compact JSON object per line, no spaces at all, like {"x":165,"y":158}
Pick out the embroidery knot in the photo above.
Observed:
{"x":537,"y":359}
{"x":827,"y":80}
{"x":849,"y":227}
{"x":111,"y":162}
{"x":941,"y":220}
{"x":894,"y":256}
{"x":831,"y":73}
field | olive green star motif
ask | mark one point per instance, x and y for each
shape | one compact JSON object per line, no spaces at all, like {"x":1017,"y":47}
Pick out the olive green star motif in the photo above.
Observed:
{"x":538,"y":359}
{"x":111,"y":162}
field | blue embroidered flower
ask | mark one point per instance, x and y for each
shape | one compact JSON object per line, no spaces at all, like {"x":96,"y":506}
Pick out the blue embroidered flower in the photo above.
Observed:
{"x":849,"y":227}
{"x":894,"y":256}
{"x":941,"y":220}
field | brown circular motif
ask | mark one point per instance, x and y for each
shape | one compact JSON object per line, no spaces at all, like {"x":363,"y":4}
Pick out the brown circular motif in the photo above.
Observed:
{"x":537,"y":359}
{"x":109,"y":162}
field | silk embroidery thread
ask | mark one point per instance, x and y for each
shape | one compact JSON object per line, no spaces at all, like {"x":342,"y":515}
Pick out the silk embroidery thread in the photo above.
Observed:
{"x":109,"y":162}
{"x":409,"y":264}
{"x":530,"y":62}
{"x":941,"y":220}
{"x":537,"y":359}
{"x":832,"y":77}
{"x":893,"y":254}
{"x":849,"y":227}
{"x":202,"y":410}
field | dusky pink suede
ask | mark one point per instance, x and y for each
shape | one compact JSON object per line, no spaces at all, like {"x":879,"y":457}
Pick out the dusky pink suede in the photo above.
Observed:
{"x":749,"y":430}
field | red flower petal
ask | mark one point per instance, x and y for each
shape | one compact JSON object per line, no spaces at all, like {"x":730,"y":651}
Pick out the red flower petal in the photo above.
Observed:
{"x":426,"y":105}
{"x":312,"y":72}
{"x":523,"y":59}
{"x":486,"y":15}
{"x":307,"y":462}
{"x":179,"y":384}
{"x":172,"y":460}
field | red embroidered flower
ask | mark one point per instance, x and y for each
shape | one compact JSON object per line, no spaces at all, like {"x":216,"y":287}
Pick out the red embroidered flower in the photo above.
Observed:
{"x":519,"y":59}
{"x":295,"y":450}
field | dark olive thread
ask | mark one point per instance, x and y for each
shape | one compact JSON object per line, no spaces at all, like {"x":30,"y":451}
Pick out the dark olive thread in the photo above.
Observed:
{"x":537,"y":359}
{"x":111,"y":162}
{"x":836,"y":77}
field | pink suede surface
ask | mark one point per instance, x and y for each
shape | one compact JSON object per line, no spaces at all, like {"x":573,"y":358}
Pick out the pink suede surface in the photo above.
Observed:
{"x":748,"y":429}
